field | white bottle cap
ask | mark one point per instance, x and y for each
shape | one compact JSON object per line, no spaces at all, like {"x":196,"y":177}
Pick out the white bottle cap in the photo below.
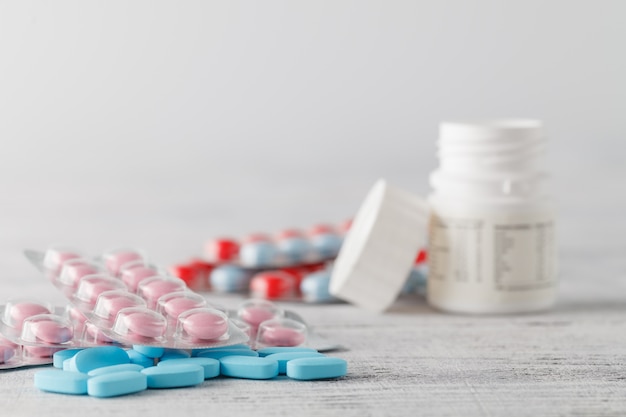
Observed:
{"x":380,"y":248}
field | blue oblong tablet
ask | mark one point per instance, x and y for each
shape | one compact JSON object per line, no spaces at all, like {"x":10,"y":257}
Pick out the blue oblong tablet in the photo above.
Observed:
{"x":217,"y":353}
{"x":284,"y":357}
{"x":248,"y":367}
{"x":97,"y":357}
{"x":115,"y":368}
{"x":174,"y":376}
{"x":149,"y":351}
{"x":61,"y":382}
{"x":282,"y":349}
{"x":116,"y":384}
{"x":240,"y":346}
{"x":139,"y":359}
{"x":211,"y":366}
{"x":174,"y":354}
{"x":60,"y":356}
{"x":307,"y":369}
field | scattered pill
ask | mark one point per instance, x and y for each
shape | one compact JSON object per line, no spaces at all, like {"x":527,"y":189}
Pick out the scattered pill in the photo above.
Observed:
{"x":306,"y":369}
{"x":284,"y":357}
{"x":284,"y":349}
{"x":116,"y":384}
{"x":248,"y":367}
{"x":174,"y":354}
{"x":139,"y":359}
{"x":174,"y":376}
{"x":53,"y":380}
{"x":62,"y":355}
{"x":98,"y":357}
{"x":211,"y":366}
{"x":149,"y":351}
{"x":115,"y":368}
{"x":220,"y":353}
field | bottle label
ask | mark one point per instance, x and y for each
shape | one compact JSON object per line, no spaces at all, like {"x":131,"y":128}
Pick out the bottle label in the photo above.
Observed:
{"x":494,"y":258}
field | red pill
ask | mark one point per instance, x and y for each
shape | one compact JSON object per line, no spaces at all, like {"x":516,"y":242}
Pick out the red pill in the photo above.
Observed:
{"x":273,"y":285}
{"x":222,"y":250}
{"x":422,"y":257}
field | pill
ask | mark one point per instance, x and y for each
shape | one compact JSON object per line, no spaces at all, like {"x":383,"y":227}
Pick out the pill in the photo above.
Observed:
{"x":170,"y":354}
{"x":55,"y":257}
{"x":222,"y":249}
{"x":315,"y":287}
{"x":416,"y":281}
{"x":113,"y":260}
{"x":203,"y":324}
{"x":91,"y":286}
{"x":75,"y":316}
{"x":248,"y":367}
{"x":140,"y":325}
{"x":153,"y":288}
{"x":116,"y":384}
{"x":188,"y":273}
{"x":284,"y":349}
{"x":98,"y":357}
{"x":139,"y":359}
{"x":74,"y":269}
{"x":67,"y":364}
{"x":211,"y":366}
{"x":136,"y":272}
{"x":284,"y":357}
{"x":217,"y":353}
{"x":174,"y":304}
{"x":281,"y":332}
{"x":47,"y":328}
{"x":93,"y":334}
{"x":6,"y":353}
{"x":306,"y":369}
{"x":53,"y":380}
{"x":255,"y":312}
{"x":62,"y":355}
{"x":229,"y":278}
{"x":149,"y":351}
{"x":293,"y":245}
{"x":40,"y":351}
{"x":241,"y":346}
{"x":109,"y":303}
{"x":422,"y":257}
{"x":174,"y":376}
{"x":327,"y":245}
{"x":320,"y":229}
{"x":273,"y":285}
{"x":258,"y":254}
{"x":16,"y":312}
{"x":115,"y":368}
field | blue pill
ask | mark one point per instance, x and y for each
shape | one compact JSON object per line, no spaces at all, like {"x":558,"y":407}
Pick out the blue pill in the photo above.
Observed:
{"x":283,"y":358}
{"x":211,"y":366}
{"x":306,"y":369}
{"x":282,"y":349}
{"x":149,"y":351}
{"x":61,"y":382}
{"x":115,"y":368}
{"x":97,"y":357}
{"x":258,"y":254}
{"x":230,"y":278}
{"x":315,"y":287}
{"x":327,"y":244}
{"x":60,"y":356}
{"x":174,"y":376}
{"x":248,"y":367}
{"x":139,"y":359}
{"x":217,"y":353}
{"x":294,"y":248}
{"x":416,"y":282}
{"x":174,"y":354}
{"x":241,"y":346}
{"x":116,"y":384}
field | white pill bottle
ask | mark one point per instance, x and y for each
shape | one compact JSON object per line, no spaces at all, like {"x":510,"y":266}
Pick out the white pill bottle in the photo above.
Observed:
{"x":492,"y":242}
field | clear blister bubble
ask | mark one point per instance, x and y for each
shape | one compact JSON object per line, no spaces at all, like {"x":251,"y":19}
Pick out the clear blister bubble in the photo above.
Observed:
{"x":281,"y":332}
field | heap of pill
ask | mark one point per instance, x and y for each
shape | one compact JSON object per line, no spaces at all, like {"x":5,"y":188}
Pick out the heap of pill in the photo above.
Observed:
{"x":111,"y":371}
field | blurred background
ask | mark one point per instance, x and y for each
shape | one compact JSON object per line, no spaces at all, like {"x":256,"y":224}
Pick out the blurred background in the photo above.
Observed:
{"x":161,"y":124}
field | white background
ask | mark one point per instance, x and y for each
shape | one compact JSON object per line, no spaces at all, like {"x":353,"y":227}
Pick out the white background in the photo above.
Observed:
{"x":161,"y":124}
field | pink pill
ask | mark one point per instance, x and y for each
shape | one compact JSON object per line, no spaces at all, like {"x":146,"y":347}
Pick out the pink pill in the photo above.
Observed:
{"x":55,"y":257}
{"x":140,"y":323}
{"x":255,"y":312}
{"x":91,"y":286}
{"x":281,"y":332}
{"x":115,"y":259}
{"x":111,"y":302}
{"x":6,"y":353}
{"x":153,"y":288}
{"x":173,"y":305}
{"x":47,"y":328}
{"x":204,"y":324}
{"x":132,"y":276}
{"x":73,"y":270}
{"x":16,"y":313}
